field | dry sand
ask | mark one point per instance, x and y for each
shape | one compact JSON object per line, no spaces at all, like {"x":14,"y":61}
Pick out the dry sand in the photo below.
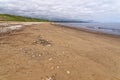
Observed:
{"x":50,"y":52}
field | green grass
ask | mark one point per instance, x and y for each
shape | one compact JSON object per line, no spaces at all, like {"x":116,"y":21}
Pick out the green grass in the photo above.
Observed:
{"x":8,"y":17}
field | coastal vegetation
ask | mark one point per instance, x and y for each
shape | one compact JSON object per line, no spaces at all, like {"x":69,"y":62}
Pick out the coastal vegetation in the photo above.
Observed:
{"x":8,"y":17}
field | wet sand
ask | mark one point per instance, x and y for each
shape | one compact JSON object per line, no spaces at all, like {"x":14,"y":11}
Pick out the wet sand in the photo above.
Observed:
{"x":50,"y":52}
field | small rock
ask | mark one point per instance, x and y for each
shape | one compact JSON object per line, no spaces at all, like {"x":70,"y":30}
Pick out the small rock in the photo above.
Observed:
{"x":34,"y":41}
{"x":50,"y":59}
{"x":49,"y":78}
{"x":49,"y":45}
{"x":58,"y":67}
{"x":52,"y":67}
{"x":33,"y":55}
{"x":21,"y":48}
{"x":68,"y":72}
{"x":39,"y":55}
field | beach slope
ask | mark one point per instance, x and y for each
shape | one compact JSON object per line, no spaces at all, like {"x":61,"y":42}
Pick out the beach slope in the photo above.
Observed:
{"x":50,"y":52}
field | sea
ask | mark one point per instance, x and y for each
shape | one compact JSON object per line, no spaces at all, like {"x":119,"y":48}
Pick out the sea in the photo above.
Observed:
{"x":108,"y":28}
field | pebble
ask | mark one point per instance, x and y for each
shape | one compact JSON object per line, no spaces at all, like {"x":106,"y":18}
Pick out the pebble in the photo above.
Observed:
{"x":21,"y":48}
{"x":49,"y":78}
{"x":34,"y":41}
{"x":39,"y":55}
{"x":50,"y":59}
{"x":68,"y":72}
{"x":33,"y":55}
{"x":49,"y":45}
{"x":58,"y":67}
{"x":52,"y":67}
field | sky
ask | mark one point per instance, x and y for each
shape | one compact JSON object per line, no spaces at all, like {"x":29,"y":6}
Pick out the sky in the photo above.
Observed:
{"x":96,"y":10}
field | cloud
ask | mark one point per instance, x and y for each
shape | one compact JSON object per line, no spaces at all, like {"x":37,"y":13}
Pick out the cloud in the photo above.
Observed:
{"x":59,"y":9}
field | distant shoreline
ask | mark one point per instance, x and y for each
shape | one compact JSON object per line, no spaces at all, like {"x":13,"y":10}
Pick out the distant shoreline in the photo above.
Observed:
{"x":86,"y":30}
{"x":63,"y":26}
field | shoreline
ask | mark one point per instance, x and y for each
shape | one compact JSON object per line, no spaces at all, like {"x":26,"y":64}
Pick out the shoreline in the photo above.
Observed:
{"x":86,"y":30}
{"x":23,"y":24}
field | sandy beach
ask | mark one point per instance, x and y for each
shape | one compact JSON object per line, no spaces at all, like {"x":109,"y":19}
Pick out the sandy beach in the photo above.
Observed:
{"x":45,"y":51}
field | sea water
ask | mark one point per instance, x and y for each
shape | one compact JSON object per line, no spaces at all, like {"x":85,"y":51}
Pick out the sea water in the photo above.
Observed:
{"x":109,"y":28}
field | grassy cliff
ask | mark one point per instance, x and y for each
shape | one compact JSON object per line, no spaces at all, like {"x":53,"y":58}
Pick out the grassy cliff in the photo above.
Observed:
{"x":8,"y":17}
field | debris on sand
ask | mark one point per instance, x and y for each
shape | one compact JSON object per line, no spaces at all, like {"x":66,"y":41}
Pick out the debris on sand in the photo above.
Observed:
{"x":49,"y":78}
{"x":43,"y":42}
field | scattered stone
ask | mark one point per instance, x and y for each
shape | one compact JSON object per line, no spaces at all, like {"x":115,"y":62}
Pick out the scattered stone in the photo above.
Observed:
{"x":68,"y":72}
{"x":39,"y":55}
{"x":33,"y":55}
{"x":51,"y":78}
{"x":49,"y":45}
{"x":58,"y":67}
{"x":50,"y":59}
{"x":34,"y":41}
{"x":42,"y":42}
{"x":52,"y":67}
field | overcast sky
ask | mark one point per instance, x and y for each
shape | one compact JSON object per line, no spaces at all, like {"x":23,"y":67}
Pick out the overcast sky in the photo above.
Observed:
{"x":97,"y":10}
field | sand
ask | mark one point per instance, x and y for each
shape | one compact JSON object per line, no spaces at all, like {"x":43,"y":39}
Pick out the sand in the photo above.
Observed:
{"x":50,"y":52}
